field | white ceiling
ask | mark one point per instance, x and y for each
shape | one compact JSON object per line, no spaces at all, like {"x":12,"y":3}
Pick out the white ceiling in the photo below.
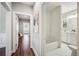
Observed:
{"x":65,"y":6}
{"x":28,"y":3}
{"x":21,"y":16}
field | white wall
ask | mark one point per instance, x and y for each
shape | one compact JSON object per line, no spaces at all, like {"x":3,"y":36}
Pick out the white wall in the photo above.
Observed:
{"x":78,"y":28}
{"x":46,"y":24}
{"x":7,"y":27}
{"x":50,"y":26}
{"x":56,"y":25}
{"x":44,"y":27}
{"x":36,"y":42}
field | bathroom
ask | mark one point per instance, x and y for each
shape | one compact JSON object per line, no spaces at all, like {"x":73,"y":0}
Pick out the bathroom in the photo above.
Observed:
{"x":59,"y":28}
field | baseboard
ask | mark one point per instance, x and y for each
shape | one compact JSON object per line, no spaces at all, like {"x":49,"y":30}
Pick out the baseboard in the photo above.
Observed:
{"x":35,"y":52}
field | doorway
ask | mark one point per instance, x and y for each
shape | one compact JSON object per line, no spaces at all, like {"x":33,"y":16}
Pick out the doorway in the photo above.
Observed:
{"x":24,"y":29}
{"x":21,"y":30}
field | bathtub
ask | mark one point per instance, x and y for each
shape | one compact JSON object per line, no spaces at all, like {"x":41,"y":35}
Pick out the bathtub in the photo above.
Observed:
{"x":53,"y":50}
{"x":51,"y":46}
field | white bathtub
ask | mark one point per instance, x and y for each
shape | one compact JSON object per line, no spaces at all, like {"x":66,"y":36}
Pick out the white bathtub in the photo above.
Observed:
{"x":51,"y":46}
{"x":53,"y":50}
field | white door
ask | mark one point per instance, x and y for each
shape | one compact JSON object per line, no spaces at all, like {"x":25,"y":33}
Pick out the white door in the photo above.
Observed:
{"x":26,"y":29}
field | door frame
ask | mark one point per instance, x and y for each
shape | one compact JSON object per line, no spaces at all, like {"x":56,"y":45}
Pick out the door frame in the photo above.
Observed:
{"x":31,"y":31}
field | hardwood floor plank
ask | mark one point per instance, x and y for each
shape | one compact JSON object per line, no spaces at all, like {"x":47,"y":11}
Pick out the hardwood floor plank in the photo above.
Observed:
{"x":21,"y":51}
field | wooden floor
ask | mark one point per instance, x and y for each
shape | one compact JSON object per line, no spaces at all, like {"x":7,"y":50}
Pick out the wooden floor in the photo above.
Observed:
{"x":28,"y":53}
{"x":21,"y":51}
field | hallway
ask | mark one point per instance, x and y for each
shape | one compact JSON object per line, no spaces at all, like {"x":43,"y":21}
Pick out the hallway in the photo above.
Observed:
{"x":38,"y":29}
{"x":23,"y":47}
